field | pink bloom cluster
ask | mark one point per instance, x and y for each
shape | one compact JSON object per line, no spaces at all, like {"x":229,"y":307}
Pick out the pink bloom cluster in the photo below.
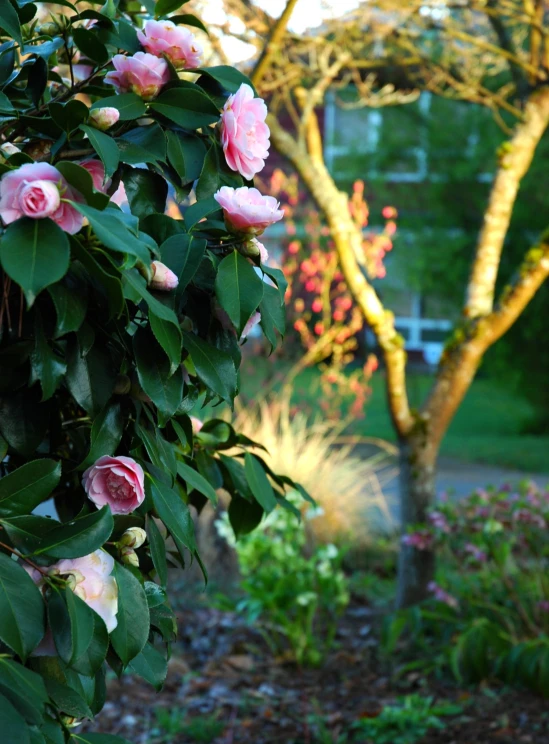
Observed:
{"x":178,"y":44}
{"x":420,"y":540}
{"x":526,"y":516}
{"x":439,"y":521}
{"x":442,"y":596}
{"x":244,"y":133}
{"x":142,"y":74}
{"x":36,"y":190}
{"x":246,"y":210}
{"x":116,"y":481}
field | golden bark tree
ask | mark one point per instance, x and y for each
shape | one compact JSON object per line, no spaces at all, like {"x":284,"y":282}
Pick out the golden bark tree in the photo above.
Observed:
{"x":493,"y":52}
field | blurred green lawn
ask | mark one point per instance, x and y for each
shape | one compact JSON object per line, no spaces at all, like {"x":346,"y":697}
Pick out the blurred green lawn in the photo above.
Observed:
{"x":487,"y":428}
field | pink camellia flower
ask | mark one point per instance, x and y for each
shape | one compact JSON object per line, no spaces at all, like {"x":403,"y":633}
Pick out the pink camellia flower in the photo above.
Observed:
{"x":163,"y":279}
{"x":35,"y":190}
{"x":96,"y":169}
{"x":247,"y":210}
{"x":116,"y":481}
{"x":244,"y":134}
{"x":178,"y":44}
{"x":90,"y":578}
{"x":143,"y":74}
{"x":104,"y":118}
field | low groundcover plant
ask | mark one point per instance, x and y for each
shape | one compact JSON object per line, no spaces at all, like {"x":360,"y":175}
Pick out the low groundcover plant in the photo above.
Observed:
{"x":114,"y":319}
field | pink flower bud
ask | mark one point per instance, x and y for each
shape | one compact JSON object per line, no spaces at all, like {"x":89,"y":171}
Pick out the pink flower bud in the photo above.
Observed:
{"x":104,"y":118}
{"x":164,"y":280}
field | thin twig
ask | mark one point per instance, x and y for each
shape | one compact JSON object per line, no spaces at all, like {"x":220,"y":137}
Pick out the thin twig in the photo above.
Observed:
{"x":23,"y":558}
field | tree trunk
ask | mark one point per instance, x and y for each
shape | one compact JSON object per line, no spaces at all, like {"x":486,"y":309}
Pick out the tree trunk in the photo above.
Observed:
{"x":417,"y":495}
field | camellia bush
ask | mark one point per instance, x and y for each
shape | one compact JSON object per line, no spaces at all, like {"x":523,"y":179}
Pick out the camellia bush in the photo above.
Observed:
{"x":115,"y":321}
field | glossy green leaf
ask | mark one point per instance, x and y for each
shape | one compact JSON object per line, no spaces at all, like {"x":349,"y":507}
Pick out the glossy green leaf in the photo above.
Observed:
{"x":132,"y":631}
{"x":153,"y":371}
{"x":112,"y":230}
{"x":238,"y":288}
{"x":80,"y":536}
{"x":89,"y":43}
{"x":175,"y":514}
{"x":48,"y":368}
{"x":244,"y":515}
{"x":190,"y":20}
{"x":186,"y":153}
{"x":183,"y":255}
{"x":163,"y":7}
{"x":229,"y":78}
{"x":259,"y":484}
{"x":143,"y":145}
{"x":24,"y":689}
{"x":9,"y":21}
{"x":157,"y":547}
{"x":70,"y":307}
{"x":68,"y":116}
{"x":196,"y":212}
{"x":273,"y":314}
{"x":169,"y":337}
{"x":195,"y":480}
{"x":22,"y":610}
{"x":105,"y":147}
{"x":158,"y":308}
{"x":104,"y":283}
{"x":146,"y":191}
{"x":188,"y":107}
{"x":27,"y":531}
{"x":82,"y":181}
{"x":106,"y":434}
{"x":71,"y":622}
{"x":151,"y":665}
{"x":25,"y":488}
{"x":12,"y":724}
{"x":214,"y":367}
{"x":90,"y":377}
{"x":35,"y":254}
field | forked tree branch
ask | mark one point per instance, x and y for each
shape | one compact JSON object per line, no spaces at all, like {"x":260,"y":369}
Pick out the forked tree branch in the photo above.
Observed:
{"x":273,"y":43}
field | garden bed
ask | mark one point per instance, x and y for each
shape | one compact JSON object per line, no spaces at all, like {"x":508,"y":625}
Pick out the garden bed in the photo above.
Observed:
{"x":225,"y":687}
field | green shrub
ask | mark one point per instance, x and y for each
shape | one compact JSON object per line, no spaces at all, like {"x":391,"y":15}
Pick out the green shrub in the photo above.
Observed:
{"x":296,"y":594}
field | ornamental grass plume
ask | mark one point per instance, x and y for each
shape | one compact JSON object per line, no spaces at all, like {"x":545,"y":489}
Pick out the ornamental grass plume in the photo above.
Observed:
{"x":347,"y":488}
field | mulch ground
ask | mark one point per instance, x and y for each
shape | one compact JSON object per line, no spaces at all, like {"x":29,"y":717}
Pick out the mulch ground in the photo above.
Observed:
{"x":224,"y":687}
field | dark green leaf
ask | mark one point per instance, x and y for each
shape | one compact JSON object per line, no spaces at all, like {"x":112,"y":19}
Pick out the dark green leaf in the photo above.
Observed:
{"x":169,"y":337}
{"x":35,"y":254}
{"x":189,"y":20}
{"x":130,"y":635}
{"x":67,"y":699}
{"x":47,"y":367}
{"x":21,"y":609}
{"x":106,"y":434}
{"x":244,"y":515}
{"x":25,"y":488}
{"x":82,"y":181}
{"x":6,"y":106}
{"x":89,"y":44}
{"x":70,"y":307}
{"x":151,"y":665}
{"x":129,"y":105}
{"x":259,"y":484}
{"x":175,"y":514}
{"x":214,"y":367}
{"x":80,"y":536}
{"x":103,"y":282}
{"x":158,"y":308}
{"x":105,"y":147}
{"x":147,"y":191}
{"x":9,"y":21}
{"x":229,"y":78}
{"x":24,"y":689}
{"x":163,"y":7}
{"x":12,"y":724}
{"x":196,"y":481}
{"x":71,"y":622}
{"x":279,"y":279}
{"x":183,"y":254}
{"x":238,"y":289}
{"x":188,"y":107}
{"x":153,"y":371}
{"x":186,"y":153}
{"x":27,"y":532}
{"x":273,"y":314}
{"x":215,"y":173}
{"x":68,"y":116}
{"x":158,"y":551}
{"x":200,"y":209}
{"x":112,"y":230}
{"x":90,"y":377}
{"x":155,"y":594}
{"x":143,"y":145}
{"x":24,"y":420}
